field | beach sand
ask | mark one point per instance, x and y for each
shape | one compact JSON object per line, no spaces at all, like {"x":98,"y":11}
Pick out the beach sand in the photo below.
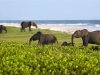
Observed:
{"x":63,"y":28}
{"x":69,"y":29}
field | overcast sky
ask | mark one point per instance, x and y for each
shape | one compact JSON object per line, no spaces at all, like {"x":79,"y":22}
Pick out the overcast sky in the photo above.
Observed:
{"x":49,"y":9}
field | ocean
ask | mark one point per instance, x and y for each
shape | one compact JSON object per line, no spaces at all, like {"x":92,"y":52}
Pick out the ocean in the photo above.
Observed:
{"x":56,"y":22}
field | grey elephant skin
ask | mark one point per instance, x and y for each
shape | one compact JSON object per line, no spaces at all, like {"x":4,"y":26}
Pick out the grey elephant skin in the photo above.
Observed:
{"x":87,"y":37}
{"x":43,"y":39}
{"x":27,"y":24}
{"x":2,"y":27}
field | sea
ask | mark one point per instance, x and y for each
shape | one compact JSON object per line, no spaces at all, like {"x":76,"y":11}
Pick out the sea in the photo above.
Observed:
{"x":93,"y":23}
{"x":56,"y":22}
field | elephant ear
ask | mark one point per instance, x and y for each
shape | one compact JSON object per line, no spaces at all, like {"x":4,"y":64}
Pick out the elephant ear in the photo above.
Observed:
{"x":84,"y":32}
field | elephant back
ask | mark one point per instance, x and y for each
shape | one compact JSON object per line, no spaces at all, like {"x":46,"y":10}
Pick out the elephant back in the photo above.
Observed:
{"x":29,"y":23}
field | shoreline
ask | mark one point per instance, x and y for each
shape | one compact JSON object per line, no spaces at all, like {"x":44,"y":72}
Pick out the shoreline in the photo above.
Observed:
{"x":62,"y":28}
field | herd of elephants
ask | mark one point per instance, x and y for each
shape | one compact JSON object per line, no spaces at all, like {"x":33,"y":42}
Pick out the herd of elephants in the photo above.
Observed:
{"x":43,"y":39}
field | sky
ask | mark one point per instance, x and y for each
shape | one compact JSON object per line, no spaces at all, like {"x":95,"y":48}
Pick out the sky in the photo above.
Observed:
{"x":49,"y":9}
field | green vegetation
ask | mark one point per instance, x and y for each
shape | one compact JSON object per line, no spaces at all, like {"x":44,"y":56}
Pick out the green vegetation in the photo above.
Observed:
{"x":19,"y":58}
{"x":14,"y":34}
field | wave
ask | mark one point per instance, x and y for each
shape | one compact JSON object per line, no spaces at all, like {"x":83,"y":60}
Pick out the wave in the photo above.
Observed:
{"x":97,"y":25}
{"x":78,"y":24}
{"x":69,"y":24}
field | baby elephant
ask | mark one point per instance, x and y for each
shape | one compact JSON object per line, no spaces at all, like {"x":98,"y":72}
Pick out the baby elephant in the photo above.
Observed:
{"x":66,"y":44}
{"x":43,"y":38}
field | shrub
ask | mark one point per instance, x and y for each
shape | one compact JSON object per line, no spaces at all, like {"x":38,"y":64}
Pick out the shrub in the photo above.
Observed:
{"x":22,"y":59}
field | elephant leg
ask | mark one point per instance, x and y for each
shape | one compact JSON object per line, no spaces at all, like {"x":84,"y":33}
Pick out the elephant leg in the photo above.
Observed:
{"x":0,"y":30}
{"x":39,"y":43}
{"x":21,"y":29}
{"x":24,"y":29}
{"x":85,"y":41}
{"x":29,"y":28}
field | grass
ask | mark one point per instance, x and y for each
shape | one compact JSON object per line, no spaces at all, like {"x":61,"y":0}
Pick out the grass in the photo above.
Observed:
{"x":14,"y":34}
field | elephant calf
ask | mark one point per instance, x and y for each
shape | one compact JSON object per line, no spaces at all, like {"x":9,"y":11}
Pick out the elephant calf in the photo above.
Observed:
{"x":43,"y":38}
{"x":87,"y":37}
{"x":66,"y":44}
{"x":2,"y":27}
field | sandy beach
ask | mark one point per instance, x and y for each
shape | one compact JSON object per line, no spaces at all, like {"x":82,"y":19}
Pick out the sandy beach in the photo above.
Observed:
{"x":68,"y":29}
{"x":63,"y":28}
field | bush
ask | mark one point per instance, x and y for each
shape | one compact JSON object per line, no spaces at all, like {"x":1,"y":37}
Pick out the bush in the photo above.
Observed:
{"x":22,"y":59}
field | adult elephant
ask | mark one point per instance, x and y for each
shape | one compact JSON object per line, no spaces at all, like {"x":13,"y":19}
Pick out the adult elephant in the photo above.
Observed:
{"x":43,"y":38}
{"x":27,"y":24}
{"x":2,"y":27}
{"x":87,"y":37}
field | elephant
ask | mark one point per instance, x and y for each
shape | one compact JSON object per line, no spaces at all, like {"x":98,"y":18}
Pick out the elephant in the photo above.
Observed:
{"x":27,"y":24}
{"x":66,"y":44}
{"x":2,"y":27}
{"x":87,"y":37}
{"x":43,"y":39}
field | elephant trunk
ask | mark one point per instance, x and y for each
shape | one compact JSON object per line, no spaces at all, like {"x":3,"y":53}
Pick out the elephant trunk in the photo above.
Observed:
{"x":6,"y":31}
{"x":34,"y":24}
{"x":72,"y":40}
{"x":4,"y":28}
{"x":30,"y":42}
